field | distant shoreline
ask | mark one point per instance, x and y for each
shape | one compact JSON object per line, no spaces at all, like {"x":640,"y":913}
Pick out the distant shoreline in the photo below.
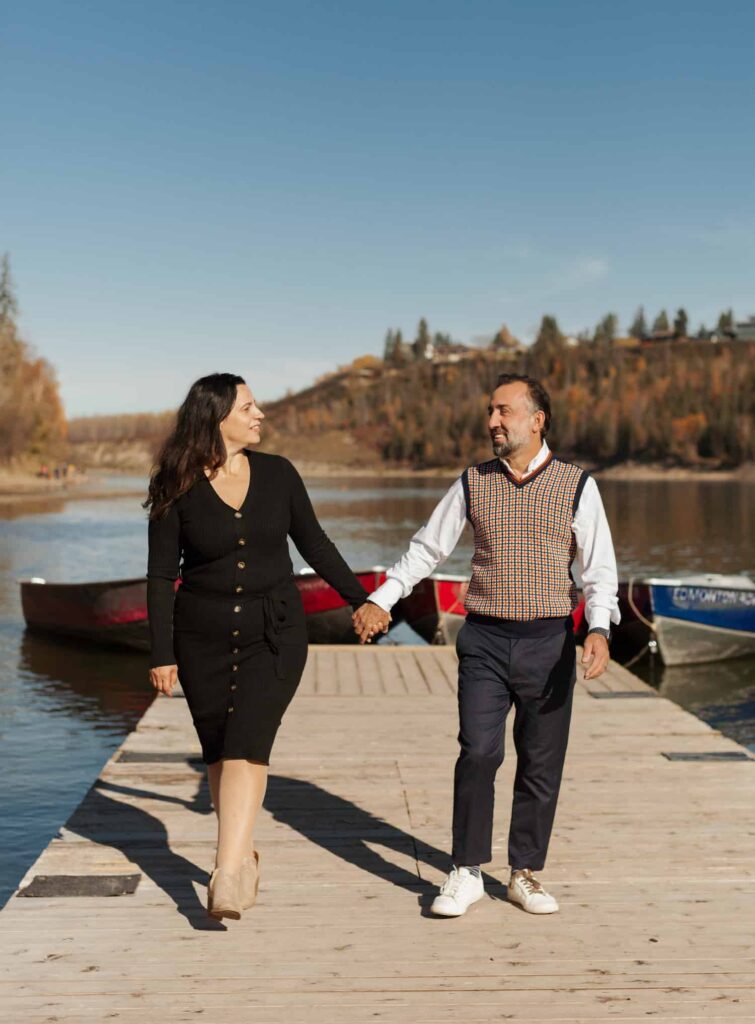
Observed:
{"x":622,"y":471}
{"x":19,"y":487}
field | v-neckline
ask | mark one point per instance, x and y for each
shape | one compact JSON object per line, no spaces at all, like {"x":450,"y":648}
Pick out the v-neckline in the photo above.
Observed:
{"x":244,"y":500}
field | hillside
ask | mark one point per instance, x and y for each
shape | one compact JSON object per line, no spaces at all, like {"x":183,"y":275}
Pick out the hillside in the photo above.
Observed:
{"x":684,"y":404}
{"x":687,"y":403}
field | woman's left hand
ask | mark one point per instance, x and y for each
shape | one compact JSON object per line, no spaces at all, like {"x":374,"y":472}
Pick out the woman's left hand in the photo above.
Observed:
{"x":164,"y":678}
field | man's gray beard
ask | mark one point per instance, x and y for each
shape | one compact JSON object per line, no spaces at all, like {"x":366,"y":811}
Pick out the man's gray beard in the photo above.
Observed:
{"x":504,"y":449}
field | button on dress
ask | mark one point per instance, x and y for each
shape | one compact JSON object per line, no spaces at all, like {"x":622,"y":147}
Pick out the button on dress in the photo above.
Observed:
{"x":236,"y":627}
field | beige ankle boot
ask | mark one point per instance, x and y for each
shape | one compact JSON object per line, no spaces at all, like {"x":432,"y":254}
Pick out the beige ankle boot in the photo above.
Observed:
{"x":223,"y":895}
{"x":250,"y":880}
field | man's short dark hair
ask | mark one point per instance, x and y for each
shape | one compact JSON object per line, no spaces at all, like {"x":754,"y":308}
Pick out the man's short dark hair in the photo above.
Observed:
{"x":538,"y":395}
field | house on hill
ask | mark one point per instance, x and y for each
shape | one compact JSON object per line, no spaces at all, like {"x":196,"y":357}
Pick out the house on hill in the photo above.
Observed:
{"x":740,"y":330}
{"x":658,"y":336}
{"x":627,"y":342}
{"x":451,"y":353}
{"x":744,"y":330}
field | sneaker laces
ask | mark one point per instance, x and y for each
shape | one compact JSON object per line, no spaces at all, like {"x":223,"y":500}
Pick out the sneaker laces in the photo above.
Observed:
{"x":453,"y":883}
{"x":529,"y":883}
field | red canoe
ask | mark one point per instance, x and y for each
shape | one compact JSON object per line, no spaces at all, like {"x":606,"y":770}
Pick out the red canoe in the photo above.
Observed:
{"x":115,"y":611}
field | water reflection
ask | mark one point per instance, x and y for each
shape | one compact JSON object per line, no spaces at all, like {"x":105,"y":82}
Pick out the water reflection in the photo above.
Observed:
{"x":94,"y":684}
{"x":680,"y":526}
{"x":721,"y":693}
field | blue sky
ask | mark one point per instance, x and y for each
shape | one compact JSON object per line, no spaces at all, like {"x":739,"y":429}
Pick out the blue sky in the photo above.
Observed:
{"x":266,"y":187}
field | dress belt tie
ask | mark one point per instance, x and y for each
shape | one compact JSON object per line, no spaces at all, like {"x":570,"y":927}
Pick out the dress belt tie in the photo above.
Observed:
{"x":274,"y":609}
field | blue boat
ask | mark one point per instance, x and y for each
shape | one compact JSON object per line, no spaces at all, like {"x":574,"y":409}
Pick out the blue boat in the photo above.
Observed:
{"x":704,"y":617}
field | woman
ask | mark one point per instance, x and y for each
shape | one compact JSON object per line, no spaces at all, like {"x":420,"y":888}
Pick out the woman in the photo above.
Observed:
{"x":234,"y":633}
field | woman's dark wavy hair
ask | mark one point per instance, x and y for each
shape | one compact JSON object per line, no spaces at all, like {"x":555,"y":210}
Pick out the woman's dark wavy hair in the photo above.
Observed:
{"x":194,"y":443}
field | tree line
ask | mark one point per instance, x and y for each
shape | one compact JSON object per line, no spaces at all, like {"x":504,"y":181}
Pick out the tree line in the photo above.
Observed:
{"x":32,"y":419}
{"x":684,"y":403}
{"x":399,"y":351}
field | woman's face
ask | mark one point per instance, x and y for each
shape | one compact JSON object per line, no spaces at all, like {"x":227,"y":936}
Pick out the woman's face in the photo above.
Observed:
{"x":241,"y":427}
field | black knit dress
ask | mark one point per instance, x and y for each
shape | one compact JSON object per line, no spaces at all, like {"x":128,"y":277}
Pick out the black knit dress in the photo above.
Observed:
{"x":235,"y":628}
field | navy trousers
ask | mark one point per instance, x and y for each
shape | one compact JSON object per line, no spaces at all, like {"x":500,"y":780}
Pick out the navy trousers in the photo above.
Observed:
{"x":536,"y":674}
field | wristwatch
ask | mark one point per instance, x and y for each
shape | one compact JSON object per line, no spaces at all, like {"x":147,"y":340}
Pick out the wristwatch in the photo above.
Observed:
{"x":601,"y":632}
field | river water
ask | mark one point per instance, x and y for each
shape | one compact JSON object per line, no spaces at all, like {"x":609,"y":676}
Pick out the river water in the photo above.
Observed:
{"x":64,"y":708}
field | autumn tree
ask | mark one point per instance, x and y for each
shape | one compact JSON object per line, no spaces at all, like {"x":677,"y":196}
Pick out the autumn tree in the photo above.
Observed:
{"x":32,"y":421}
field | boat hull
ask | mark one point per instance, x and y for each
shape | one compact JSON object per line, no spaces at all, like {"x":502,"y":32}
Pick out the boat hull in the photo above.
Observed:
{"x":114,"y":612}
{"x":328,"y":615}
{"x":692,"y":643}
{"x":435,"y":608}
{"x":698,"y":622}
{"x":111,"y":612}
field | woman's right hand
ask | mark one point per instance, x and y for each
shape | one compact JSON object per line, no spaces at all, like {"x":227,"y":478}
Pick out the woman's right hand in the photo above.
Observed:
{"x":164,"y":678}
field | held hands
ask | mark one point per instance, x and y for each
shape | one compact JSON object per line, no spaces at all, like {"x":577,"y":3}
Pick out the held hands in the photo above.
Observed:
{"x":164,"y":678}
{"x":595,"y":655}
{"x":370,"y":620}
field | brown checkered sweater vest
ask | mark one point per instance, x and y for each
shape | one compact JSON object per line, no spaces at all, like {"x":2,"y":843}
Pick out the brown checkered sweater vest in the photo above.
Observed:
{"x":524,"y":544}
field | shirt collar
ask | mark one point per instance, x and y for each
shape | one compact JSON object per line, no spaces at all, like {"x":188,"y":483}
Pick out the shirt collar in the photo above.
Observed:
{"x":539,"y":459}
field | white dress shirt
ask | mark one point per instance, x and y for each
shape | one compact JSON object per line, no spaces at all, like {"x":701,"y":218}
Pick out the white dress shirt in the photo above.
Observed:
{"x":431,"y":545}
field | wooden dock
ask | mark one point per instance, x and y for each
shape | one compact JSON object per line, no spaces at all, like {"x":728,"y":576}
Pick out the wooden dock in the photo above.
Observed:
{"x":652,"y":860}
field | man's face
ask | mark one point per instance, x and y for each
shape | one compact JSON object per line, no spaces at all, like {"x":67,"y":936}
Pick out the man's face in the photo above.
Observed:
{"x":512,"y":421}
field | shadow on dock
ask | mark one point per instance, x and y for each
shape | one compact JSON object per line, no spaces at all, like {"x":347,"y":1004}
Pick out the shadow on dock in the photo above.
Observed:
{"x":350,"y":832}
{"x":143,"y":839}
{"x":331,"y":822}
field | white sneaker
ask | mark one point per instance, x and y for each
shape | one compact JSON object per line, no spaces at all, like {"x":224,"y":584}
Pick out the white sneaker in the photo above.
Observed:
{"x":525,"y":890}
{"x":460,"y":890}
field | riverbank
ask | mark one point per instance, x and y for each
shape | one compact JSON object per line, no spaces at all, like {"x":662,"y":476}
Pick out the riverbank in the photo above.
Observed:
{"x":18,"y":494}
{"x":18,"y":486}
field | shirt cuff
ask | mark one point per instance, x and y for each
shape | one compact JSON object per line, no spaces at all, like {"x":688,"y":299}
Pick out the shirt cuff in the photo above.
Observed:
{"x":599,"y":618}
{"x":387,"y":595}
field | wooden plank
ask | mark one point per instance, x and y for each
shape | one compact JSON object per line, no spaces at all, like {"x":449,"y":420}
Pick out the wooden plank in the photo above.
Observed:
{"x":414,"y":680}
{"x":369,"y":674}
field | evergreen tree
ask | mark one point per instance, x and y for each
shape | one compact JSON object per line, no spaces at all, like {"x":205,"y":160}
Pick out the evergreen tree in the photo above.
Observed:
{"x":421,"y":343}
{"x":8,"y":304}
{"x":639,"y":327}
{"x":725,"y":322}
{"x":661,"y":322}
{"x":547,"y":349}
{"x":503,"y":339}
{"x":702,"y":333}
{"x":401,"y":351}
{"x":549,"y":337}
{"x":607,"y":329}
{"x":681,"y":324}
{"x":389,"y":349}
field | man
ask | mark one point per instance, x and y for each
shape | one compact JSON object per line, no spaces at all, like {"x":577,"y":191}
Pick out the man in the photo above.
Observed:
{"x":533,"y":516}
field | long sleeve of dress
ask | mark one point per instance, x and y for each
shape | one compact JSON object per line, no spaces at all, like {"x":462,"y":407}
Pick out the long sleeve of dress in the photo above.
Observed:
{"x":318,"y":549}
{"x":162,"y":572}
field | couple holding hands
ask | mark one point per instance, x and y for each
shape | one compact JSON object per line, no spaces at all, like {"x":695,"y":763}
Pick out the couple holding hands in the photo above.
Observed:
{"x":220,"y":515}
